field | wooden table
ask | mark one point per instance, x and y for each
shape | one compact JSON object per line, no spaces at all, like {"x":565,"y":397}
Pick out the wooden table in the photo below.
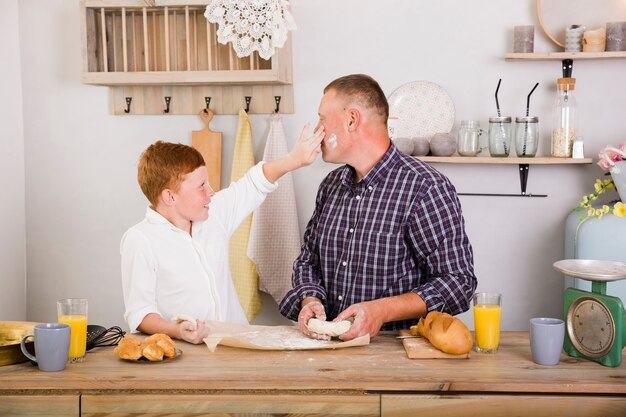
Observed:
{"x":372,"y":380}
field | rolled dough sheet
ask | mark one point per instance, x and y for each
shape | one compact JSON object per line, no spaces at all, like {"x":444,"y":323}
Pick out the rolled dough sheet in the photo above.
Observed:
{"x":270,"y":338}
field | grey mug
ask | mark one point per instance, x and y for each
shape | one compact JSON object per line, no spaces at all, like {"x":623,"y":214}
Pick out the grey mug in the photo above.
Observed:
{"x":52,"y":345}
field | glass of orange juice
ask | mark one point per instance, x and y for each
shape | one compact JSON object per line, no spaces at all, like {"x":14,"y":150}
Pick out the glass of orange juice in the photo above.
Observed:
{"x":487,"y":312}
{"x":73,"y":311}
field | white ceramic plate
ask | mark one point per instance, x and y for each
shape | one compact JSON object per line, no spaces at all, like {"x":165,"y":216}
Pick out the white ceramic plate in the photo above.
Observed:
{"x":592,"y":270}
{"x":423,"y":108}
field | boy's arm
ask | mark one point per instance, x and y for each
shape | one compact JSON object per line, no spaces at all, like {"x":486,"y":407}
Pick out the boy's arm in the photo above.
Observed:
{"x":187,"y":331}
{"x":303,"y":153}
{"x":232,"y":205}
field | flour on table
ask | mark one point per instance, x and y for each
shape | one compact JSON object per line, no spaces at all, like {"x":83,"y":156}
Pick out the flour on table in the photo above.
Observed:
{"x":281,"y":339}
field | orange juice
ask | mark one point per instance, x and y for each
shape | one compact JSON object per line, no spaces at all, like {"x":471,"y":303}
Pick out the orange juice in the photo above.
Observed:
{"x":487,"y":326}
{"x":78,"y":335}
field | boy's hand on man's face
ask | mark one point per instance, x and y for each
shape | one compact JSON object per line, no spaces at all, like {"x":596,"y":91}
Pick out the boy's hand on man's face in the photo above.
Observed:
{"x":307,"y":148}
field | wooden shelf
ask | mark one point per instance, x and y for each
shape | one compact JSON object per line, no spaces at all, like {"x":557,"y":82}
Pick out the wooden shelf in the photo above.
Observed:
{"x":542,"y":160}
{"x":152,"y":53}
{"x":522,"y":163}
{"x":559,"y":56}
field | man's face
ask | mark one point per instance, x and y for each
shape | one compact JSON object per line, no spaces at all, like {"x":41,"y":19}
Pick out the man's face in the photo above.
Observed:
{"x":331,"y":116}
{"x":194,"y":195}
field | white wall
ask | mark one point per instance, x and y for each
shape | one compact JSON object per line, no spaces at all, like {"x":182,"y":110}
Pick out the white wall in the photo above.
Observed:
{"x":81,"y":193}
{"x":12,"y":216}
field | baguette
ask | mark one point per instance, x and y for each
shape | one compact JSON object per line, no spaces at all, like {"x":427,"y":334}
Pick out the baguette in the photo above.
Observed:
{"x":446,"y":333}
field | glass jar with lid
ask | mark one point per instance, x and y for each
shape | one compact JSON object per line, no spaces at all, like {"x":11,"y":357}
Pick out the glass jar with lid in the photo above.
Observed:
{"x":499,"y":136}
{"x":564,"y":119}
{"x":526,"y":136}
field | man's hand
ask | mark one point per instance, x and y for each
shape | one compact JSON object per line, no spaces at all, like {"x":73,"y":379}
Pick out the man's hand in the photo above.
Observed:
{"x":309,"y":310}
{"x":193,"y":332}
{"x":368,"y":319}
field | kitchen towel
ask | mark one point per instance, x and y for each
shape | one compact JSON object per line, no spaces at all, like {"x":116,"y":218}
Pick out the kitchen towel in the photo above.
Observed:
{"x":275,"y":235}
{"x":242,"y":269}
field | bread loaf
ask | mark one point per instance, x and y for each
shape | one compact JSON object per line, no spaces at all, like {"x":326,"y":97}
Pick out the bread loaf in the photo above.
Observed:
{"x":444,"y":332}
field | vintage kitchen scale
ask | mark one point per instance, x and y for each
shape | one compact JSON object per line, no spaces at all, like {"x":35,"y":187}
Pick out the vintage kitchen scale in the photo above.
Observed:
{"x":596,"y":322}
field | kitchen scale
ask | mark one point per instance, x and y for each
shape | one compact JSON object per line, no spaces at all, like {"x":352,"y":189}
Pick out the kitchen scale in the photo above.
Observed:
{"x":596,"y":322}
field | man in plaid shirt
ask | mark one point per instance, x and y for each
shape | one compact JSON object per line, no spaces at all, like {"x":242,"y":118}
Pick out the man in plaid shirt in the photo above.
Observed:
{"x":386,"y":243}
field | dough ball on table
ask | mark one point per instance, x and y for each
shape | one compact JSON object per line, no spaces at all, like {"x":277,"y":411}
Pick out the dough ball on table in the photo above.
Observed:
{"x":330,"y":328}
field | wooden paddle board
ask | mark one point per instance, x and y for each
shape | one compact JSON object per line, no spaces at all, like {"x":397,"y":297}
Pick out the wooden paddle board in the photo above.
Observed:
{"x":209,"y":144}
{"x":420,"y":348}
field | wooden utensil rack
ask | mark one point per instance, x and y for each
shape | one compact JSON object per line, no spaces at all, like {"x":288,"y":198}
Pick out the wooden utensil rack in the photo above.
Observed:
{"x":147,"y":53}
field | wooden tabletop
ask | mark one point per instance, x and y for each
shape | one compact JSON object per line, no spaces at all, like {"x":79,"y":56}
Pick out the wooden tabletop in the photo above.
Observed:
{"x":379,"y":367}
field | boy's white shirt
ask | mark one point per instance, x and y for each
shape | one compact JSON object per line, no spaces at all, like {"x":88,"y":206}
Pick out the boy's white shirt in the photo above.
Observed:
{"x":167,"y":272}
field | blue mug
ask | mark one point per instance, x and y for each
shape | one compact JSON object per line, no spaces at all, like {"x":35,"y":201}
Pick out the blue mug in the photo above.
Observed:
{"x":52,"y":345}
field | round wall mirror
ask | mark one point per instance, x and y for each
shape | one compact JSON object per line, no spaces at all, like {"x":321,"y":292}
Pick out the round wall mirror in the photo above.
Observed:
{"x":555,"y":15}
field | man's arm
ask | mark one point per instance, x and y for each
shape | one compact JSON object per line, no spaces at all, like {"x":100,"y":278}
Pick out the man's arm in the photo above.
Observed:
{"x":369,"y":316}
{"x":437,"y":236}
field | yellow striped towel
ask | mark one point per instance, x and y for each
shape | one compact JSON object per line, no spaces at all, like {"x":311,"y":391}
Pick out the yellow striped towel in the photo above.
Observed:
{"x":242,"y":269}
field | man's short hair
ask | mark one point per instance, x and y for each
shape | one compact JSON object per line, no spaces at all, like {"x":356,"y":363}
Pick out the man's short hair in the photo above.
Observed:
{"x":364,"y":90}
{"x":163,"y":165}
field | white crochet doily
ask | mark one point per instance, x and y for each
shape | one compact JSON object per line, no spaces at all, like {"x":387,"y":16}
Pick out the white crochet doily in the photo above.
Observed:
{"x":251,"y":25}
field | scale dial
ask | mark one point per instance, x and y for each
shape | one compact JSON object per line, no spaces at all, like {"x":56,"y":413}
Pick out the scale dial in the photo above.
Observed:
{"x":590,"y":326}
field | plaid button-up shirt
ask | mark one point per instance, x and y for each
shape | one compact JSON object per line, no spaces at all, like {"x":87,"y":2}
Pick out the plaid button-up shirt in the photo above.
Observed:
{"x":398,"y":230}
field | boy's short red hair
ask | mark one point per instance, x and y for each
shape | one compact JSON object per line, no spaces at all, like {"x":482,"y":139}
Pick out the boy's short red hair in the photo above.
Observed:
{"x":163,"y":165}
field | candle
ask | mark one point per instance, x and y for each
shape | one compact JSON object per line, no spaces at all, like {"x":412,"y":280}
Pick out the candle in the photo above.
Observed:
{"x":573,"y":38}
{"x":593,"y":40}
{"x":616,"y":36}
{"x":523,"y":39}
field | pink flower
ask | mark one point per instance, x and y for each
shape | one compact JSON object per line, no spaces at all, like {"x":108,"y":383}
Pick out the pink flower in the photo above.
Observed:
{"x":604,"y":164}
{"x":609,"y":155}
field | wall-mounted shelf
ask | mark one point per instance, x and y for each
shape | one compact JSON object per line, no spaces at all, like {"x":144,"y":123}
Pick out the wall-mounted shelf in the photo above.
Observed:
{"x":148,"y":52}
{"x":523,"y":165}
{"x":559,"y":56}
{"x":540,"y":160}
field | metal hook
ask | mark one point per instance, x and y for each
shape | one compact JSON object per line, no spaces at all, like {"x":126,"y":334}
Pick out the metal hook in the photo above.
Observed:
{"x":167,"y":104}
{"x":248,"y":99}
{"x":277,"y":100}
{"x":128,"y":100}
{"x":207,"y":100}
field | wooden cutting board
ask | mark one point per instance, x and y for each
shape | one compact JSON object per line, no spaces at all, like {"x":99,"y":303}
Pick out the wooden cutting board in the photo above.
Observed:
{"x":209,"y":144}
{"x":420,"y":348}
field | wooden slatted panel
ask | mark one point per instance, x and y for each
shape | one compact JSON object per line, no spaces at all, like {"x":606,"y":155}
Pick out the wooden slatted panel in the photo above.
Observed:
{"x":105,"y":63}
{"x":124,"y":40}
{"x":145,"y":39}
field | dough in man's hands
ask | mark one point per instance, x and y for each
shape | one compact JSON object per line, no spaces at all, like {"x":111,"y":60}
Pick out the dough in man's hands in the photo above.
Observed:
{"x":330,"y":328}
